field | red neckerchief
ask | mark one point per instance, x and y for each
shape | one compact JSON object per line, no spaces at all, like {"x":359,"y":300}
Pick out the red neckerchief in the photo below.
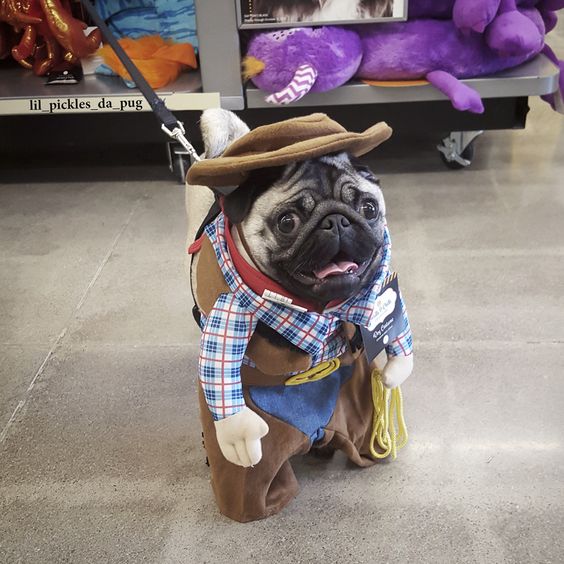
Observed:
{"x":256,"y":280}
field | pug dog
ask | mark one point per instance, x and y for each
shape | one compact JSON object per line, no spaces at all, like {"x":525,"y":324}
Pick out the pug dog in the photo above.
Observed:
{"x":316,"y":227}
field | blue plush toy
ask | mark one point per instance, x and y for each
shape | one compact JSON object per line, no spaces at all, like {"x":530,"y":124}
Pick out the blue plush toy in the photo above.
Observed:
{"x":171,"y":19}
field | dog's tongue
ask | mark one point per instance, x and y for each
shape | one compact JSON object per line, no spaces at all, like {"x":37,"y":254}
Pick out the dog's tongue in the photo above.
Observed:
{"x":334,"y":268}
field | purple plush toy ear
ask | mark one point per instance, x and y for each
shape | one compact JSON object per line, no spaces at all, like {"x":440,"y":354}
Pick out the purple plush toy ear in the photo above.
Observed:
{"x":513,"y":33}
{"x":474,"y":15}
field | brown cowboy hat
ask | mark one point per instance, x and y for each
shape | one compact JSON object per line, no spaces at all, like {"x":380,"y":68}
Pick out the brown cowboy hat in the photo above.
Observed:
{"x":288,"y":141}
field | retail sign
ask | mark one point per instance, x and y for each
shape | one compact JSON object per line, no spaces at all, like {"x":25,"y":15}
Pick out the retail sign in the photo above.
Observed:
{"x":108,"y":104}
{"x":388,"y":320}
{"x":289,"y":13}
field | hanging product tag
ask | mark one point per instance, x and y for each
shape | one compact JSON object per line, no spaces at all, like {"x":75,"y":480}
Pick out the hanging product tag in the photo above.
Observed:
{"x":388,"y":319}
{"x":280,"y":299}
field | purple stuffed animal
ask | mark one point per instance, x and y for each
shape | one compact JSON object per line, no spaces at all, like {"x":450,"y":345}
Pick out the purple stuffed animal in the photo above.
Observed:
{"x":292,"y":62}
{"x":507,"y":30}
{"x":437,"y":51}
{"x":479,"y":12}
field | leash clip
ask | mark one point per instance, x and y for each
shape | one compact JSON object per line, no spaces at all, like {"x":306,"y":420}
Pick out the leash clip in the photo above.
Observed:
{"x":178,"y":135}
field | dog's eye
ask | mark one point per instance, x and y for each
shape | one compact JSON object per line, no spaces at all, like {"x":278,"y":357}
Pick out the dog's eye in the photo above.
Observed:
{"x":287,"y":222}
{"x":368,"y":209}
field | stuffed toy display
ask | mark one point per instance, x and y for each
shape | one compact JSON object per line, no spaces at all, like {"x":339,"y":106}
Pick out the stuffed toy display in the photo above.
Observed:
{"x":49,"y":35}
{"x":463,"y":40}
{"x":284,"y":274}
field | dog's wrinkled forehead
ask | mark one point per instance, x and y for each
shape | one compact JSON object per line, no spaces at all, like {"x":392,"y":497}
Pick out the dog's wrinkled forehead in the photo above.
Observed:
{"x":331,"y":177}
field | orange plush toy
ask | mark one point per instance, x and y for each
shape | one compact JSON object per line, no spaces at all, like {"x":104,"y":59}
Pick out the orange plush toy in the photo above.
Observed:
{"x":159,"y":61}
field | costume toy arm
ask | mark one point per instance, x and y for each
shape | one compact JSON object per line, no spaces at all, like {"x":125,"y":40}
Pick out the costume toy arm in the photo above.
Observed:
{"x":226,"y":334}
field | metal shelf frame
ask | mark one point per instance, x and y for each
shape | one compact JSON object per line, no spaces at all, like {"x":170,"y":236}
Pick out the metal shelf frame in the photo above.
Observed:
{"x":220,"y":51}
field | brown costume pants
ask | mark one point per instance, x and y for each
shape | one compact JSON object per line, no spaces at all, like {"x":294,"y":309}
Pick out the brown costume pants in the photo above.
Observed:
{"x":247,"y":494}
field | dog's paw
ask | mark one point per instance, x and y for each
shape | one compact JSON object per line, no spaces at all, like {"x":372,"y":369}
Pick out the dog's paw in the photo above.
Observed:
{"x":397,"y":370}
{"x":239,"y":437}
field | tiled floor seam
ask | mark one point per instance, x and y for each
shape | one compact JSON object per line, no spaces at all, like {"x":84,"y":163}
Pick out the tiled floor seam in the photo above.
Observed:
{"x":58,"y":342}
{"x":36,"y":377}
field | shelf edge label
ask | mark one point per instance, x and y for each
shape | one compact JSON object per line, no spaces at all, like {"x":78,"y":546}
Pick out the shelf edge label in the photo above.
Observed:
{"x":105,"y":104}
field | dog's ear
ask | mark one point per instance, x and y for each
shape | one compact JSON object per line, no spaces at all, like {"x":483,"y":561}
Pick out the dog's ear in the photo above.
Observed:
{"x":364,"y":171}
{"x":238,"y":204}
{"x":219,"y":129}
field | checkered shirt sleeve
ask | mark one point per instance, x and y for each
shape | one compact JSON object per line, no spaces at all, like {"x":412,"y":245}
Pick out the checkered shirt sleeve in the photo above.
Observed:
{"x":226,"y":333}
{"x":402,"y":345}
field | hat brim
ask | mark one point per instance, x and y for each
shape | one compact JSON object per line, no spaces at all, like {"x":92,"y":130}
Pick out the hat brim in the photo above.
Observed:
{"x":228,"y":171}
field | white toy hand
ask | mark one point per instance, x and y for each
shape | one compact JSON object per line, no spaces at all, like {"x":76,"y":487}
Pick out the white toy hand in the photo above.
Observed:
{"x":397,"y":370}
{"x":239,"y":437}
{"x":394,"y":369}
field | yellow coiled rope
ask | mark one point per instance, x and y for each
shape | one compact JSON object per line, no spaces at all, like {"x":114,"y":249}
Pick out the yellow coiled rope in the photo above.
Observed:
{"x":388,"y":412}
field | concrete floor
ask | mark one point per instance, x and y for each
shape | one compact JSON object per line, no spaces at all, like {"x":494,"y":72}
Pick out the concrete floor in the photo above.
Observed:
{"x":101,"y":456}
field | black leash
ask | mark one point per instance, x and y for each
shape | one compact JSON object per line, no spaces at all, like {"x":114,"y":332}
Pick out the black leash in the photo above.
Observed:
{"x":169,"y":124}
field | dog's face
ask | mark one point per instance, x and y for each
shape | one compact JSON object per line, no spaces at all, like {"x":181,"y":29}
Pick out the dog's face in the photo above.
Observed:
{"x":316,"y":227}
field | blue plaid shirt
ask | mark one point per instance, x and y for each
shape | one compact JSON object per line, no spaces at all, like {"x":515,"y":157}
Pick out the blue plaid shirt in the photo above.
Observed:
{"x":229,"y":326}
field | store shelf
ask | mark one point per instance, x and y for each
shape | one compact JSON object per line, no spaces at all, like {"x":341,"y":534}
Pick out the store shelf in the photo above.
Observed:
{"x":21,"y":92}
{"x":534,"y":78}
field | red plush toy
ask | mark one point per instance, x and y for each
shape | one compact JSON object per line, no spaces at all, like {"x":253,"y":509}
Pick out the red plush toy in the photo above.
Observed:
{"x":50,"y":35}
